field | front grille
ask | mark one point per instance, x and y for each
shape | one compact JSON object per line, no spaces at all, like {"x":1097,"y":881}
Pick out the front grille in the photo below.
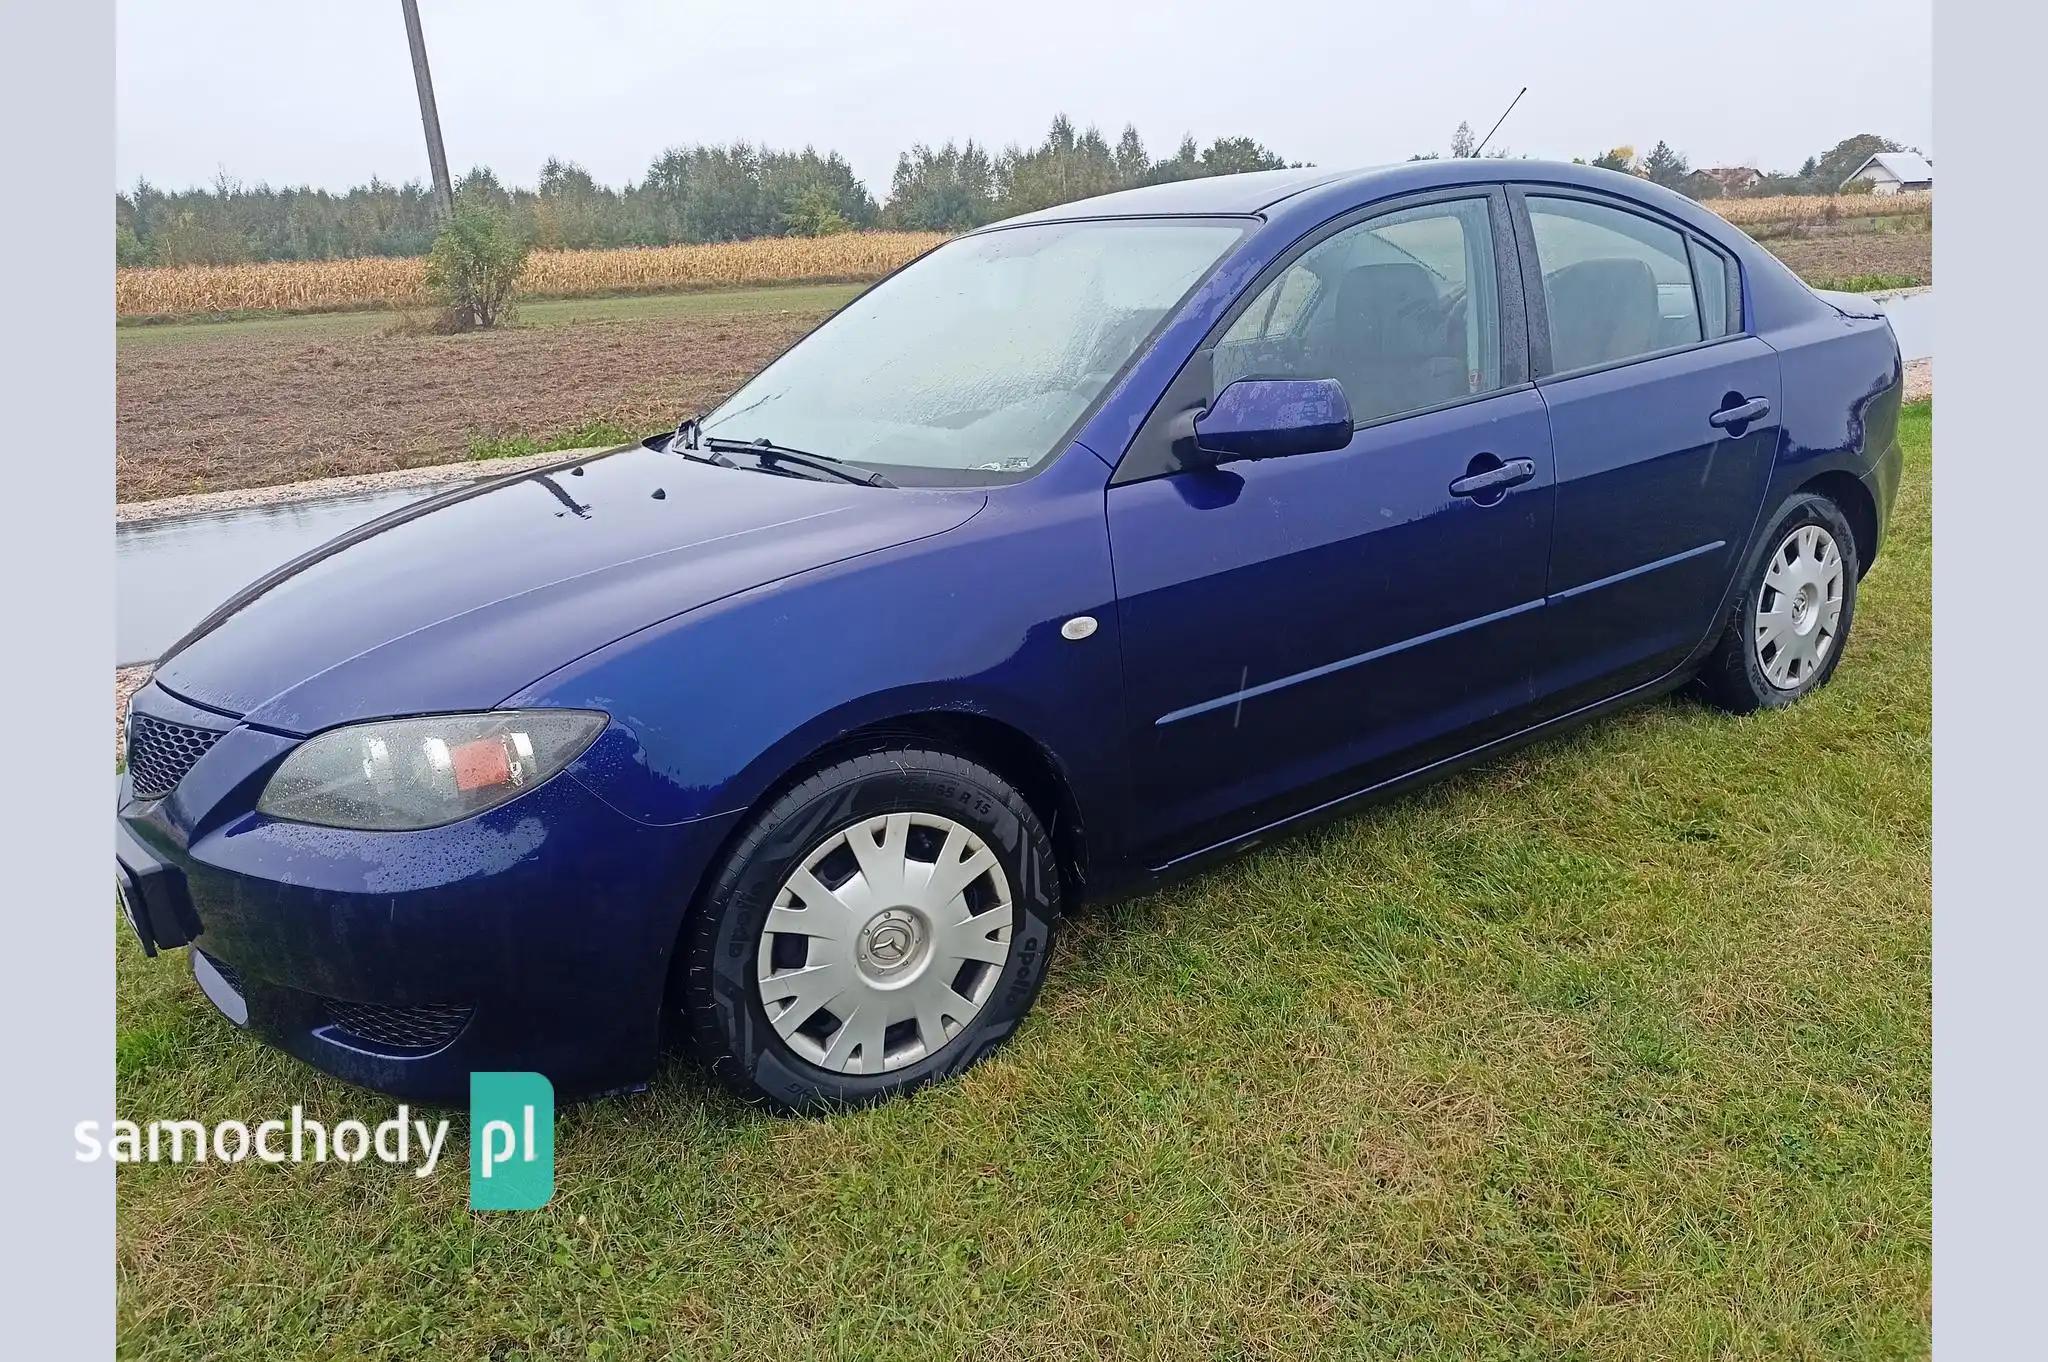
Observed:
{"x":426,"y":1027}
{"x":161,"y":752}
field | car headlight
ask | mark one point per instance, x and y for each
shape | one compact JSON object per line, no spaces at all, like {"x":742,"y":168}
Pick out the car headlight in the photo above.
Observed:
{"x":399,"y":774}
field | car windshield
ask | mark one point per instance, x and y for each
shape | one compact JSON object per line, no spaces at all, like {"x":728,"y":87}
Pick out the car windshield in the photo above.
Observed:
{"x":976,"y":361}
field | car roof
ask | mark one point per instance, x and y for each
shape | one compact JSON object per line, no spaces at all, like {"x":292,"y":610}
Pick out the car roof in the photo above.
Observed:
{"x":1243,"y":193}
{"x":1305,"y":192}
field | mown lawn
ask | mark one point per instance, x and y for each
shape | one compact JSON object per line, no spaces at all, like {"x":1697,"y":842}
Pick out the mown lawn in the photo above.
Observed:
{"x":1618,"y":1048}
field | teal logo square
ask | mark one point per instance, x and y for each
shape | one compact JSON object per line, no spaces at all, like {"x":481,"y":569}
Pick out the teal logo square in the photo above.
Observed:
{"x":511,"y":1141}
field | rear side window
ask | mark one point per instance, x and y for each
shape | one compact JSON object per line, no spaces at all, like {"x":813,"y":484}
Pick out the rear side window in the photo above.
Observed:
{"x":1717,"y":311}
{"x":1615,"y":285}
{"x":1402,"y":310}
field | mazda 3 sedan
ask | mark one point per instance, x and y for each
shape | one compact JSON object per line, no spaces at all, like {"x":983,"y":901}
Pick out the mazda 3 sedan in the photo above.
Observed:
{"x":1091,"y":546}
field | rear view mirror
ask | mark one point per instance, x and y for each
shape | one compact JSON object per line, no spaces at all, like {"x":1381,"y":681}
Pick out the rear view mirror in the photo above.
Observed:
{"x":1269,"y":418}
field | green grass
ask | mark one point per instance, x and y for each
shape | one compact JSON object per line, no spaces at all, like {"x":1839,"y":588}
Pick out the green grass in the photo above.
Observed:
{"x":591,"y":434}
{"x":1614,"y":1049}
{"x":326,"y":326}
{"x":1868,"y":283}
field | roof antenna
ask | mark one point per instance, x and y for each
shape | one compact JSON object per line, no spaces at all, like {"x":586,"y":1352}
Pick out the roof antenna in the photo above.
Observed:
{"x":1502,"y":119}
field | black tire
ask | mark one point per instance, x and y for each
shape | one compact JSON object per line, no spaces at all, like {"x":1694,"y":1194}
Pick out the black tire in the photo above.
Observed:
{"x":724,"y":1022}
{"x":1733,"y":676}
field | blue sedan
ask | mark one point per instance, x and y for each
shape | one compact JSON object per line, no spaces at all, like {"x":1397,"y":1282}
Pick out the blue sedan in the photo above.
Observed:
{"x":1090,"y":547}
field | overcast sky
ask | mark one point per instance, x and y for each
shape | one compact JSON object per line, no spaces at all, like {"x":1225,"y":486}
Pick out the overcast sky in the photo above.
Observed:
{"x":322,"y":94}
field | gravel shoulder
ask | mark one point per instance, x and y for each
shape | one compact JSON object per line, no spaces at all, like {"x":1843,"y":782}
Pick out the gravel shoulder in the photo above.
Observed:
{"x":1919,"y":380}
{"x":319,"y":489}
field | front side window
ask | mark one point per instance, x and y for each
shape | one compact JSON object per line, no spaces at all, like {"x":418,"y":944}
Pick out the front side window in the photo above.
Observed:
{"x":1615,"y":285}
{"x":977,"y":360}
{"x":1402,"y":310}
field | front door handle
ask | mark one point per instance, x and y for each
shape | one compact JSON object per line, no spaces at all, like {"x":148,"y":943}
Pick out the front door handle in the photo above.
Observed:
{"x":1494,"y":480}
{"x":1740,"y":414}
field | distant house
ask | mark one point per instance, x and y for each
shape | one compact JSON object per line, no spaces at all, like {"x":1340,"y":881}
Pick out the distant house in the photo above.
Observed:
{"x":1735,"y":179}
{"x":1894,"y":172}
{"x":1712,"y":183}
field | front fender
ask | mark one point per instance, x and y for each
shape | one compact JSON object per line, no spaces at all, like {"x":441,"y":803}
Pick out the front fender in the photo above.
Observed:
{"x":712,"y":708}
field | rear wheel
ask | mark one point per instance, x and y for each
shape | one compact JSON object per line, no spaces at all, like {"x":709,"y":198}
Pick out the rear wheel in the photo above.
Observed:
{"x":1789,"y":622}
{"x":884,"y":924}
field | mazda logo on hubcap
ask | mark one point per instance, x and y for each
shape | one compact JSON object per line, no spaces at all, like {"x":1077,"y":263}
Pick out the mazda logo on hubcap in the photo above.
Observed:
{"x":891,"y":943}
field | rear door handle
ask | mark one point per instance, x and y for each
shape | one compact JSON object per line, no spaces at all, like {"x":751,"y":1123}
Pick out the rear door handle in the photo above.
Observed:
{"x":1495,"y":479}
{"x":1741,"y":414}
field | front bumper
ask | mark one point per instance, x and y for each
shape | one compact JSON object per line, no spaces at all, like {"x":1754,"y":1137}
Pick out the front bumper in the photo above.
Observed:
{"x":150,"y":889}
{"x":536,"y":936}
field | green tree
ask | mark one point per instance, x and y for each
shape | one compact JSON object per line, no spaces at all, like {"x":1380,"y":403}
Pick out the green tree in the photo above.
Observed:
{"x":128,"y":248}
{"x":1825,"y":174}
{"x":1621,"y":158}
{"x":481,"y":186}
{"x":806,"y":193}
{"x":1235,"y":155}
{"x":1184,"y":164}
{"x":473,"y":268}
{"x":1132,"y":164}
{"x":188,"y":236}
{"x":1066,"y":166}
{"x":1665,"y":166}
{"x":713,"y":193}
{"x":814,"y":212}
{"x":946,"y":190}
{"x":570,"y":209}
{"x":1463,"y":143}
{"x":1225,"y":156}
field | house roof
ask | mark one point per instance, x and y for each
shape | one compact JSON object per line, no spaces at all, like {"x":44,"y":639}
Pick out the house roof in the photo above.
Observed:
{"x":1906,"y":167}
{"x":1731,"y":177}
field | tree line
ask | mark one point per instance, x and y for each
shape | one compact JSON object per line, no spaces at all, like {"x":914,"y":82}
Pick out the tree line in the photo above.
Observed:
{"x":1664,"y":164}
{"x":1821,"y":174}
{"x":690,"y":194}
{"x":701,"y":193}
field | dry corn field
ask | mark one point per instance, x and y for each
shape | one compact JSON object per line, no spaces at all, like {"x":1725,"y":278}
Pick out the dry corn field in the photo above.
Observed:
{"x":382,"y":281}
{"x":1819,"y":208}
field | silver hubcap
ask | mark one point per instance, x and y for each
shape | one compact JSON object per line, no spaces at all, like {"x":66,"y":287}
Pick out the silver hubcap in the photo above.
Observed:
{"x":1799,"y":608}
{"x":885,"y":942}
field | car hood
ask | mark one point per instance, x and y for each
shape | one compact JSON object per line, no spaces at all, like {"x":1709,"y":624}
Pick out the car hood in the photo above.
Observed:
{"x":459,"y":601}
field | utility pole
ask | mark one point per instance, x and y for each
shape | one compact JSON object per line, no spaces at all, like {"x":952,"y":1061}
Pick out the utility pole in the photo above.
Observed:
{"x":437,"y":159}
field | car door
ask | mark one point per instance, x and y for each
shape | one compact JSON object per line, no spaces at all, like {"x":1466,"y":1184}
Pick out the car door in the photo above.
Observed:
{"x":1663,"y":416}
{"x":1297,"y":628}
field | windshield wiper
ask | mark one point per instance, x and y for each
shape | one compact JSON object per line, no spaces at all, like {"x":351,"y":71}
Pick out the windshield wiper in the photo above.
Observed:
{"x":687,"y":439}
{"x":771,"y":454}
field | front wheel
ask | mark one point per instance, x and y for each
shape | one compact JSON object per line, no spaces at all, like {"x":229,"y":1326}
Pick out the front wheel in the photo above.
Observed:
{"x":1791,"y":616}
{"x":884,"y":924}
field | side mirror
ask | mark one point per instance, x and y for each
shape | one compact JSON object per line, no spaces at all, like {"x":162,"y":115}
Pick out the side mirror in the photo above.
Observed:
{"x":1270,"y":418}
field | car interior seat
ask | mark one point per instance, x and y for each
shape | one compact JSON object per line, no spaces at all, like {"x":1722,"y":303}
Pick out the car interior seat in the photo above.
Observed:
{"x":1601,"y":310}
{"x":1394,"y":347}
